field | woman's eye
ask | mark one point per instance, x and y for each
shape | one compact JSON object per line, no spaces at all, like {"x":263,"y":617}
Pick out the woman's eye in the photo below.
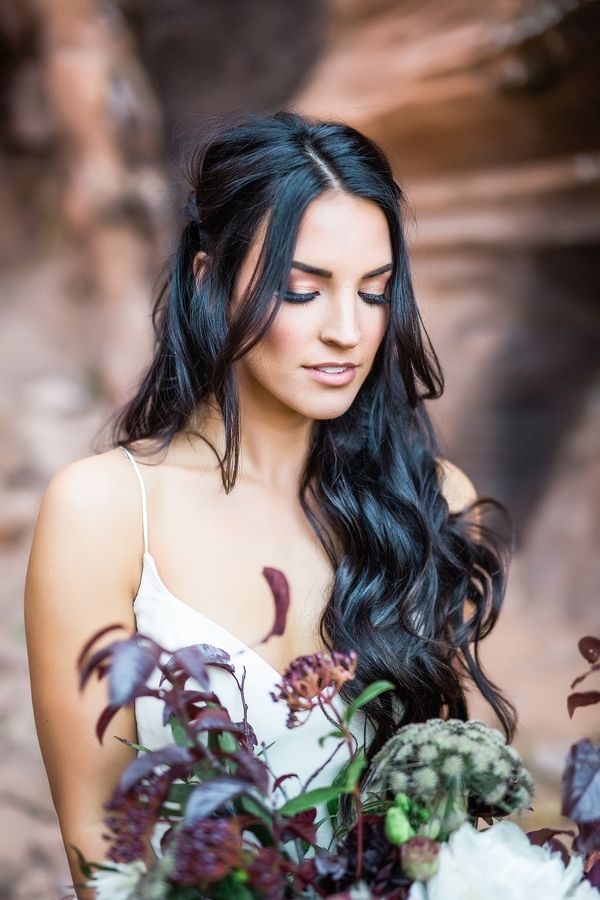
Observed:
{"x":373,"y":298}
{"x":299,"y":298}
{"x":305,"y":297}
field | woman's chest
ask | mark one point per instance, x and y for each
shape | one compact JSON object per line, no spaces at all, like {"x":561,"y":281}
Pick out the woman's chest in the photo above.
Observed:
{"x":211,"y":552}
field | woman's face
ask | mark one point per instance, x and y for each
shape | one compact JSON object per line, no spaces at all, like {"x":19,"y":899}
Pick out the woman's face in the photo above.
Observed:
{"x":342,"y":265}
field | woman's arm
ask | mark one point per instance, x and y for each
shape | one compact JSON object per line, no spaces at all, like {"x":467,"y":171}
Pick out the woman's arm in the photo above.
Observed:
{"x":78,"y":581}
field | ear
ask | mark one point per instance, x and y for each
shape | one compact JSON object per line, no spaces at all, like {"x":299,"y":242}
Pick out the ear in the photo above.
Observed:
{"x":199,"y":264}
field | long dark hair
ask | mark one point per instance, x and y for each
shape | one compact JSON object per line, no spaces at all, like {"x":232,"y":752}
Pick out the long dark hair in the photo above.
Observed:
{"x":416,"y":587}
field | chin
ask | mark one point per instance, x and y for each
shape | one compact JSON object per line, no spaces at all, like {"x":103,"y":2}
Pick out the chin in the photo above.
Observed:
{"x":325,"y":408}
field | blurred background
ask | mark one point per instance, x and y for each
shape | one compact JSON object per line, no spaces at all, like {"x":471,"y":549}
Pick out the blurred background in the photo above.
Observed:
{"x":489,"y":112}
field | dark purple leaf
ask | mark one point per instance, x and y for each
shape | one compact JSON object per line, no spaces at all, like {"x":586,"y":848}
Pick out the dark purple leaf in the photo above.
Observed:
{"x":191,"y":662}
{"x":95,"y":637}
{"x":547,"y":836}
{"x":208,"y":654}
{"x":589,"y":647}
{"x":133,"y":661}
{"x":588,"y":839}
{"x":166,"y":838}
{"x":173,"y":699}
{"x":214,"y":719}
{"x":540,"y":835}
{"x":580,"y":678}
{"x":281,"y":598}
{"x":593,"y":876}
{"x":216,"y":656}
{"x":302,"y":825}
{"x":145,"y":764}
{"x":254,"y":768}
{"x":283,"y":778}
{"x":585,"y":698}
{"x":208,"y":797}
{"x":105,"y":718}
{"x":330,"y":864}
{"x":581,"y":782}
{"x":96,"y":660}
{"x":249,"y":734}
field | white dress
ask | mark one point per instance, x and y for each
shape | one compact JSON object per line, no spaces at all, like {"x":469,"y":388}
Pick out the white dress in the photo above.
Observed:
{"x":174,"y":624}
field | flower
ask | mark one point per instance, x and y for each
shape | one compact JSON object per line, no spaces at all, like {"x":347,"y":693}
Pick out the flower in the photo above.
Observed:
{"x":465,"y":761}
{"x":118,"y":883}
{"x":311,"y":679}
{"x":132,"y":816}
{"x":501,"y":864}
{"x":206,"y":851}
{"x":419,"y":857}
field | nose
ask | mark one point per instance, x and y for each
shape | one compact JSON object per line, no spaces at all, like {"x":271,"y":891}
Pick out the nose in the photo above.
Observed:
{"x":341,"y":325}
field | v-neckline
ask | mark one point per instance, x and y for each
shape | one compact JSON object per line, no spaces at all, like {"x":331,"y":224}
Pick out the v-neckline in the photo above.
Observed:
{"x":247,"y":649}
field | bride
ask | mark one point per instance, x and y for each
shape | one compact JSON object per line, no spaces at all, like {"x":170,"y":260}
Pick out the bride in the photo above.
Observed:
{"x":281,"y":422}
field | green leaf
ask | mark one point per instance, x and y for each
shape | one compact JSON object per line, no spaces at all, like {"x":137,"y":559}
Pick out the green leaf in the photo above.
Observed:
{"x":310,"y":799}
{"x":133,"y":744}
{"x":369,"y":693}
{"x":357,"y":765}
{"x":338,"y":781}
{"x":87,"y":866}
{"x":227,"y":742}
{"x":179,"y":733}
{"x":337,"y":734}
{"x":255,"y":809}
{"x":232,"y":889}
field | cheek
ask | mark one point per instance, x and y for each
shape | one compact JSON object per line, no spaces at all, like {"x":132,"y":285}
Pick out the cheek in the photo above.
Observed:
{"x":376,"y":328}
{"x":284,"y":339}
{"x":282,"y":345}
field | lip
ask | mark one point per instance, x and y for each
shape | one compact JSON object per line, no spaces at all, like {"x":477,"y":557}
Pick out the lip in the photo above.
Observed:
{"x":332,"y":365}
{"x":338,"y":378}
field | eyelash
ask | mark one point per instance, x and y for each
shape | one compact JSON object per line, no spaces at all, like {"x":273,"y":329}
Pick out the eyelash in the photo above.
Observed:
{"x":304,"y":298}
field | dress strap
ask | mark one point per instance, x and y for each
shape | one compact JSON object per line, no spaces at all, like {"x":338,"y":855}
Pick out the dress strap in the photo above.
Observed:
{"x":143,"y":490}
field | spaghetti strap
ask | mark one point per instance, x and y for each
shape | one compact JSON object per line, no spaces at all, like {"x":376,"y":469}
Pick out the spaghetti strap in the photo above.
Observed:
{"x":143,"y":490}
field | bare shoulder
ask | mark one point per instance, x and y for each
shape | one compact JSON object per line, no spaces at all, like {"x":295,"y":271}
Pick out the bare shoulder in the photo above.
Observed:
{"x":92,"y":483}
{"x":89,"y":514}
{"x":457,"y":487}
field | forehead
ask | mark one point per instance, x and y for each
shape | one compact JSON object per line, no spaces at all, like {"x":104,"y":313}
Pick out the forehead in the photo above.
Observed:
{"x":339,"y":232}
{"x":341,"y":229}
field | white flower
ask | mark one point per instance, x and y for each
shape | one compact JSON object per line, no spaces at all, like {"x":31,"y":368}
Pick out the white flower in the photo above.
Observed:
{"x":427,"y":753}
{"x":452,"y":766}
{"x":500,"y":864}
{"x":119,"y":884}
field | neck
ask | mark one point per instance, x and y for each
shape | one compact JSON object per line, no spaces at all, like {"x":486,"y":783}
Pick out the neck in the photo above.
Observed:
{"x":274,"y":440}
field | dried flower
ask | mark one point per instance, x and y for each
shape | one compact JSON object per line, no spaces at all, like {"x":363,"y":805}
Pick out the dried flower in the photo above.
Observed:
{"x":206,"y":851}
{"x":132,"y":816}
{"x":312,"y":679}
{"x":266,"y":875}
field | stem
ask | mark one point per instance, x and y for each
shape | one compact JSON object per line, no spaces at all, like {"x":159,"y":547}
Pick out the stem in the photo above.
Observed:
{"x":320,"y":769}
{"x":359,"y":831}
{"x":357,"y":805}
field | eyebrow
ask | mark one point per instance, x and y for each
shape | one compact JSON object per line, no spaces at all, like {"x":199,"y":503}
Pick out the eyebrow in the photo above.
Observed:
{"x":325,"y":273}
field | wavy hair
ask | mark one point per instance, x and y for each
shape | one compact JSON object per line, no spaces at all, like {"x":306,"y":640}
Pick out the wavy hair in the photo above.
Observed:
{"x":416,"y":587}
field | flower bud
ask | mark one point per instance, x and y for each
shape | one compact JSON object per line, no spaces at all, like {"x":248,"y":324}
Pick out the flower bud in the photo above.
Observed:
{"x":419,"y":857}
{"x":403,"y":802}
{"x":397,"y":827}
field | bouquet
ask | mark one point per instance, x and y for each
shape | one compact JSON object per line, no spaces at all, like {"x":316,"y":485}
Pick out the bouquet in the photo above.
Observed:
{"x":405,"y":825}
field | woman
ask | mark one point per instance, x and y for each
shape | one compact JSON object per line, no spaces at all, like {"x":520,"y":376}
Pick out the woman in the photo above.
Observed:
{"x":281,"y":422}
